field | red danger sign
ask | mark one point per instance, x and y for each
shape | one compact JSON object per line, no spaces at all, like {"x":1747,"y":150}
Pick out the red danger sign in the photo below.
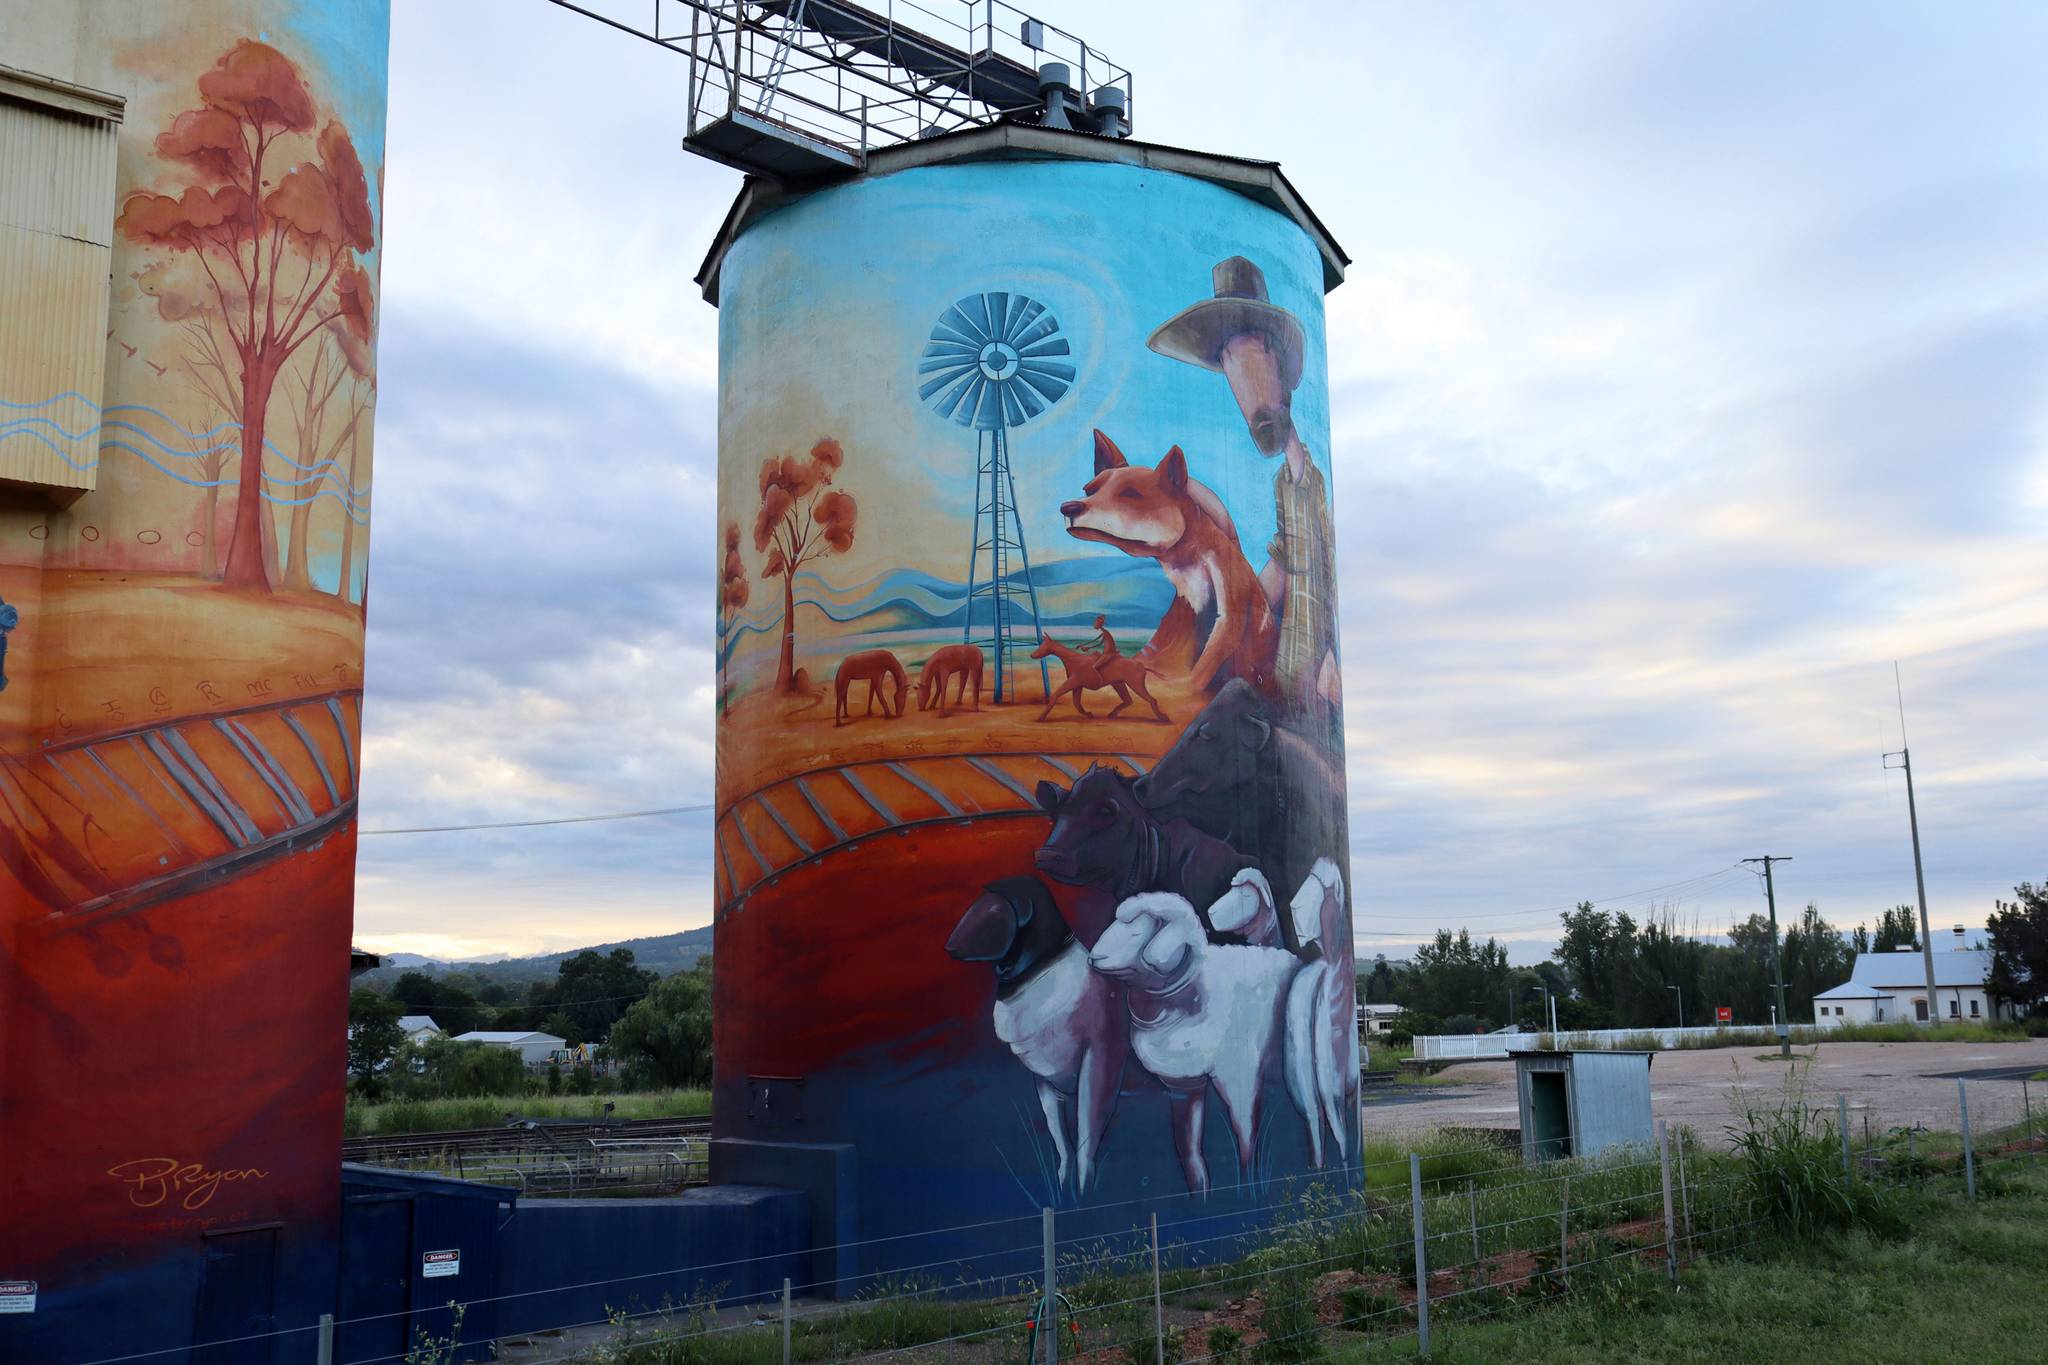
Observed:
{"x":1723,"y":1014}
{"x":435,"y":1264}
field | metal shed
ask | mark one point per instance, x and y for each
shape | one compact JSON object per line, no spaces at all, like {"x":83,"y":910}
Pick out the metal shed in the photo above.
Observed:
{"x":1581,"y":1103}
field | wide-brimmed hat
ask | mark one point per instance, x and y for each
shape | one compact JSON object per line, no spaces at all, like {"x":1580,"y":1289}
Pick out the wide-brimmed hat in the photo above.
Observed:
{"x":1198,"y":333}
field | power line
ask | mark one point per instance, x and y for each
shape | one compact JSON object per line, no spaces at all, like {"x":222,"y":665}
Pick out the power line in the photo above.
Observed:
{"x":557,"y":820}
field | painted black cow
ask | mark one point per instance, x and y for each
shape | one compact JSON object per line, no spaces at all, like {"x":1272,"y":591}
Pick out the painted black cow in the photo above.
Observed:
{"x":1104,"y":838}
{"x":1262,"y":789}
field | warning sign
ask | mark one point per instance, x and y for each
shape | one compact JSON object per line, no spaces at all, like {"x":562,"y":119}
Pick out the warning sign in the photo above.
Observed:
{"x":1723,"y":1014}
{"x":17,"y":1296}
{"x":435,"y":1264}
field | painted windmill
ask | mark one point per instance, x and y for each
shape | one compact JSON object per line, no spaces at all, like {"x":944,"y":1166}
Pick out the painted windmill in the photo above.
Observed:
{"x":993,"y":363}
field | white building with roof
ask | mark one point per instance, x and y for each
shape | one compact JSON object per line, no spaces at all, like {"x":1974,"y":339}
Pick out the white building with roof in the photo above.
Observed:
{"x":1886,"y":987}
{"x":418,"y":1025}
{"x":533,"y":1048}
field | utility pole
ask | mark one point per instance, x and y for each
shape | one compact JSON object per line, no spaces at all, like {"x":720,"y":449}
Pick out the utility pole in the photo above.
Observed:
{"x":1905,"y":757}
{"x":1783,"y":1020}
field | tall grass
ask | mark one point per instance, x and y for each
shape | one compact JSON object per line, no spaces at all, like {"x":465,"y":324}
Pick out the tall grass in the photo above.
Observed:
{"x":362,"y":1119}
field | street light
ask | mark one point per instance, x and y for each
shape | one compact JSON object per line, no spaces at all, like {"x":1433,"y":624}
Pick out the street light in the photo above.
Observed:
{"x":1549,"y":1005}
{"x":1681,"y":1003}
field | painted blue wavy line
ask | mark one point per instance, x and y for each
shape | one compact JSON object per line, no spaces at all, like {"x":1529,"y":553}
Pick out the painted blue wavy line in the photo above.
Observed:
{"x":355,"y":501}
{"x":61,"y":453}
{"x":270,"y":447}
{"x":68,"y":393}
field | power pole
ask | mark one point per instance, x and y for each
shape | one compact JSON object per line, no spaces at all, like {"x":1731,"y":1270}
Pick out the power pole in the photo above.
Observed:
{"x":1905,"y":757}
{"x":1784,"y":1020}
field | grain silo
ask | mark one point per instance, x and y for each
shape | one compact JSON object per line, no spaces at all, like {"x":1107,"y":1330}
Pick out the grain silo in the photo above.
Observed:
{"x":1032,"y":873}
{"x":189,"y":236}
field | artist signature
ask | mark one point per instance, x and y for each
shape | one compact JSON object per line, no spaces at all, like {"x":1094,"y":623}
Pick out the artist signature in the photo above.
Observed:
{"x":153,"y":1179}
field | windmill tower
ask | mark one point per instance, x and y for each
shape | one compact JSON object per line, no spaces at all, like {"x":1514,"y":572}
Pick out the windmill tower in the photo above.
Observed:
{"x":993,"y":362}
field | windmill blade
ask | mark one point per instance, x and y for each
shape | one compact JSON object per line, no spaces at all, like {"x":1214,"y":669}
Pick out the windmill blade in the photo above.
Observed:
{"x":1048,"y":387}
{"x":958,"y":325}
{"x":945,"y":381}
{"x":977,"y":309}
{"x":947,"y":346}
{"x":947,"y":403}
{"x":1033,"y":330}
{"x":988,"y":405}
{"x":1050,"y":346}
{"x":946,"y":364}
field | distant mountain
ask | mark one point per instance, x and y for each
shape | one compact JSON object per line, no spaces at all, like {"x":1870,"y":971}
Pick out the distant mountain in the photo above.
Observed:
{"x":664,"y":954}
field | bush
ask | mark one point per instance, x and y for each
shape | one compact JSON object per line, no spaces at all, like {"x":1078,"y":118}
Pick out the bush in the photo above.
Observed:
{"x":1791,"y":1159}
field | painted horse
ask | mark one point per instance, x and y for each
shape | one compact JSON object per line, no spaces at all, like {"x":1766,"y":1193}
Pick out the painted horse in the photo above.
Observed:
{"x":1086,"y":671}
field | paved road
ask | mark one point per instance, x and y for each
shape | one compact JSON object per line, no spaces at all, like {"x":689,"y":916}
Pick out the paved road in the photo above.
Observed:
{"x":1891,"y":1084}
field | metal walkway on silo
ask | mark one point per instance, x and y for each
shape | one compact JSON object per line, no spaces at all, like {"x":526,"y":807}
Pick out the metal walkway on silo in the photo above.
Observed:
{"x":797,"y":820}
{"x":105,"y":825}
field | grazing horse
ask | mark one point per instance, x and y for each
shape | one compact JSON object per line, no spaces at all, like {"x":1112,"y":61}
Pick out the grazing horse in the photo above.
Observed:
{"x":953,"y":661}
{"x":872,"y":667}
{"x":1085,"y":671}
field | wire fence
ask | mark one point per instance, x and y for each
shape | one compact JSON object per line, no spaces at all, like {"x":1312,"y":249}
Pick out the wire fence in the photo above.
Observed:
{"x":1379,"y":1258}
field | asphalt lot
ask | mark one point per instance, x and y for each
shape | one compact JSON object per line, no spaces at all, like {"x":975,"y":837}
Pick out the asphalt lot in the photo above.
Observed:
{"x":1887,"y":1085}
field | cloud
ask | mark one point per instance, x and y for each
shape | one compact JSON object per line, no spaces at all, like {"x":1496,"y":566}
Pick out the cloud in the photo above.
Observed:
{"x":1689,"y":373}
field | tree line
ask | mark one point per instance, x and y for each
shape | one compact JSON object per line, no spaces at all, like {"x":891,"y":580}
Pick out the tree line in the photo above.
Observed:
{"x":655,"y":1031}
{"x":1611,"y":970}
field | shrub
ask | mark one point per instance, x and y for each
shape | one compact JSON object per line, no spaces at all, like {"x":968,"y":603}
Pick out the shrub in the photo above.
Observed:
{"x":1791,"y":1161}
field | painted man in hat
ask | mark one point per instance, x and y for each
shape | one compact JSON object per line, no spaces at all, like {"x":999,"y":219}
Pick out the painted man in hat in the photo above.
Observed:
{"x":1257,"y":346}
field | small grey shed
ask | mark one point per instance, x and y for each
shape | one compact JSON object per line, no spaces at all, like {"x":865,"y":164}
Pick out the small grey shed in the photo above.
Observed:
{"x":1581,"y":1103}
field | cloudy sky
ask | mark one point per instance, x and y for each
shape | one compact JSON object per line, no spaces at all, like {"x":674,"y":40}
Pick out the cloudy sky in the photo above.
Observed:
{"x":1688,"y":373}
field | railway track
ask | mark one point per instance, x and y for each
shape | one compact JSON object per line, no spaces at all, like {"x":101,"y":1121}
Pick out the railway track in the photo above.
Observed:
{"x":513,"y":1137}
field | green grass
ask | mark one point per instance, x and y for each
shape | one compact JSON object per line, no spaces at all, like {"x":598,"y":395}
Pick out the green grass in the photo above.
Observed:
{"x":1964,"y":1285}
{"x":488,"y":1111}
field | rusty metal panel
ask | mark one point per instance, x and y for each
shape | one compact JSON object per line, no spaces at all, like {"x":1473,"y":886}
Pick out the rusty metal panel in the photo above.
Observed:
{"x":56,"y":238}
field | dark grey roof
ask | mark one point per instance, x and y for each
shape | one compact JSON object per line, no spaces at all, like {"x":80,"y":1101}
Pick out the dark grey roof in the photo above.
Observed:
{"x":1260,"y":181}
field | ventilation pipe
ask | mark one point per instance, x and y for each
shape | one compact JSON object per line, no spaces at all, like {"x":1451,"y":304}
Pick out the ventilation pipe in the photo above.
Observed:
{"x":1110,"y":109}
{"x":1958,"y":940}
{"x":1056,"y":89}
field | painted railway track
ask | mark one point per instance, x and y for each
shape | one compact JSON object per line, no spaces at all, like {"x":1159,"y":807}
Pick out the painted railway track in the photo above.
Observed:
{"x":107,"y":825}
{"x":798,"y":820}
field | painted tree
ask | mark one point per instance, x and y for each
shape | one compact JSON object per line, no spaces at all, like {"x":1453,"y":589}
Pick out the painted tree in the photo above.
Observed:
{"x":279,"y":255}
{"x":733,"y":590}
{"x":342,"y":356}
{"x":802,"y":518}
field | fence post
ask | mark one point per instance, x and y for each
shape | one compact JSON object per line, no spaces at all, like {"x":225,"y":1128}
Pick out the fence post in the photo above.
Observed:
{"x":785,"y":1320}
{"x":324,"y":1347}
{"x":1564,"y":1233}
{"x":2027,"y":1106}
{"x":1052,"y":1339}
{"x":1158,"y":1302}
{"x":1969,"y":1156}
{"x":1421,"y":1255}
{"x":1842,"y":1122}
{"x":1670,"y":1227}
{"x":1472,"y":1201}
{"x":1684,"y":1193}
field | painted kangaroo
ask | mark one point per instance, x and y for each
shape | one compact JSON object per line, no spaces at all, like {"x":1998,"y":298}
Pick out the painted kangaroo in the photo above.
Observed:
{"x":954,"y":661}
{"x":872,"y":667}
{"x":1087,"y":671}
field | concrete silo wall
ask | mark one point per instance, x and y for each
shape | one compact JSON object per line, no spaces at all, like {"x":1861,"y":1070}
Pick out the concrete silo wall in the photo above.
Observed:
{"x":179,"y":727}
{"x":1016,"y":956}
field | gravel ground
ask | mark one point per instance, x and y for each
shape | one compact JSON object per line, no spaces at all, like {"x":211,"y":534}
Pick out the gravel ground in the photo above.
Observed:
{"x":1892,"y":1084}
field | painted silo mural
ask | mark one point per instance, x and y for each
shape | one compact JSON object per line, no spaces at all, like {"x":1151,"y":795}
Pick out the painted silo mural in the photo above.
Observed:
{"x":180,"y":716}
{"x":1032,"y":864}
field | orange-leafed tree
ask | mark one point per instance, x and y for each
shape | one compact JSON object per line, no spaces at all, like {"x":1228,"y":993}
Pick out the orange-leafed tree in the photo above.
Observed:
{"x":279,"y":252}
{"x":733,"y":589}
{"x":802,"y":518}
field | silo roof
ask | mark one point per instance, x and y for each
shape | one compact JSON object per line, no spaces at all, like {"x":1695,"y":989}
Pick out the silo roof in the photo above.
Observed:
{"x":1260,"y":181}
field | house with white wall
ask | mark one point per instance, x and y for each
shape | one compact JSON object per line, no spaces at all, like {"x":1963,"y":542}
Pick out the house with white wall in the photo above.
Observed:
{"x":533,"y":1048}
{"x":418,"y":1026}
{"x":1890,"y":986}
